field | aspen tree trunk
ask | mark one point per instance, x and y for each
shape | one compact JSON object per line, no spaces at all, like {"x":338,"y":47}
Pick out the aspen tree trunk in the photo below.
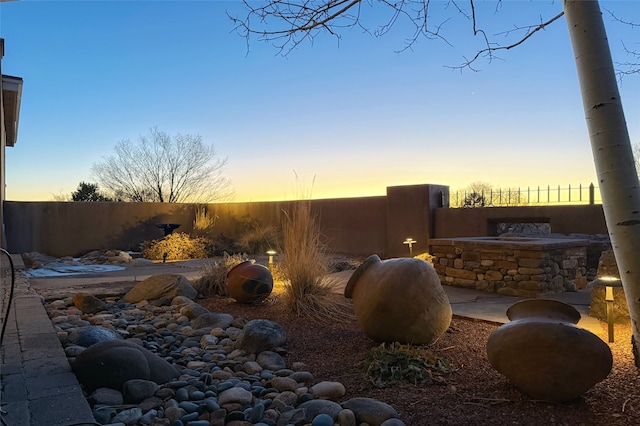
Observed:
{"x":611,"y":147}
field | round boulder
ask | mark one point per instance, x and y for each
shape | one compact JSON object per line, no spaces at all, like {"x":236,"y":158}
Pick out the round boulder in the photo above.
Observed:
{"x":111,"y":363}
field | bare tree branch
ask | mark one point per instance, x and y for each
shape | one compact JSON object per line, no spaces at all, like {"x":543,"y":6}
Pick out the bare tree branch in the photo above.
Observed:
{"x":160,"y":168}
{"x":632,"y":66}
{"x":489,"y":51}
{"x":287,"y":23}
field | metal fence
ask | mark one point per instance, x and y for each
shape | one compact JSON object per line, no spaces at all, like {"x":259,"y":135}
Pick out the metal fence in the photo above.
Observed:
{"x":529,"y":196}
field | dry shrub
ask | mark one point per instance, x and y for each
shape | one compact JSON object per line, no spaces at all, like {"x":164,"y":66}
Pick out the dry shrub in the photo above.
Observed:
{"x":176,"y":246}
{"x":258,"y":239}
{"x":306,"y":292}
{"x":390,"y":363}
{"x":214,"y":275}
{"x":204,"y":223}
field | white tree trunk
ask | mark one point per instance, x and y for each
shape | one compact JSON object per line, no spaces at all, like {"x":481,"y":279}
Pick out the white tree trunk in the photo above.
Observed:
{"x":611,"y":146}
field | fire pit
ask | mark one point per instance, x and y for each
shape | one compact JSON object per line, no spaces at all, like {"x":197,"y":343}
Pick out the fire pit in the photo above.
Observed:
{"x":168,"y":227}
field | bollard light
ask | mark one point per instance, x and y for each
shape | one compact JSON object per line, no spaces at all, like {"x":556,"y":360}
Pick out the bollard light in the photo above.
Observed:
{"x":608,"y":283}
{"x":271,"y":253}
{"x":410,"y":242}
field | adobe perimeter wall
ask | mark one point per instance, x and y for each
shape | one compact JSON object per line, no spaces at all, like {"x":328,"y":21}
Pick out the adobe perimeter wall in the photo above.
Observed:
{"x":352,"y":226}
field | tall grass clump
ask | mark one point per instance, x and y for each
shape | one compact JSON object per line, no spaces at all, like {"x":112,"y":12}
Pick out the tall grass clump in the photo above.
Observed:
{"x":305,"y":265}
{"x":204,"y":223}
{"x":258,"y":239}
{"x":214,"y":275}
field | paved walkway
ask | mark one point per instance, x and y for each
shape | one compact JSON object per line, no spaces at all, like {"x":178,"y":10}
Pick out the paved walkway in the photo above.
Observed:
{"x":38,"y":387}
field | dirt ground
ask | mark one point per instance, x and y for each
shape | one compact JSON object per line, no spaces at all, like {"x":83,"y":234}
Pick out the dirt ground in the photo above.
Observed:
{"x":472,"y":394}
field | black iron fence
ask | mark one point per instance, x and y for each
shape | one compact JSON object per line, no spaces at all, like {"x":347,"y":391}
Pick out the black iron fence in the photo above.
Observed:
{"x":529,"y":196}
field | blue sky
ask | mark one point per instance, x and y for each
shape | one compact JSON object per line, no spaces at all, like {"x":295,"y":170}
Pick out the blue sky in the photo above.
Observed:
{"x":348,"y":118}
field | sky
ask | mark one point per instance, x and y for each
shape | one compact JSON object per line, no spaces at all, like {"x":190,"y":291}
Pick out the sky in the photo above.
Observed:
{"x":331,"y":118}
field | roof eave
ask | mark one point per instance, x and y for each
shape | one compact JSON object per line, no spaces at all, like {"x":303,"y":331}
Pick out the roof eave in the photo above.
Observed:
{"x":12,"y":97}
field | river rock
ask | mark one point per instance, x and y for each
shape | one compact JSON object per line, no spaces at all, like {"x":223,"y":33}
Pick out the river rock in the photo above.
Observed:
{"x":212,"y":320}
{"x":137,"y":390}
{"x":192,"y":310}
{"x":90,"y":335}
{"x":88,"y":304}
{"x":328,"y":390}
{"x":371,"y":411}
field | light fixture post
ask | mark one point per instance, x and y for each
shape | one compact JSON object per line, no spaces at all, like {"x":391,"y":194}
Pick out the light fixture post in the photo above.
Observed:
{"x":608,"y":283}
{"x":271,"y":253}
{"x":410,"y":242}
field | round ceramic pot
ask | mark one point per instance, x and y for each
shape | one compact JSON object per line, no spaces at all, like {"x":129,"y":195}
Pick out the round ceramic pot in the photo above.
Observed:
{"x":249,"y":282}
{"x":544,"y":353}
{"x":399,"y":300}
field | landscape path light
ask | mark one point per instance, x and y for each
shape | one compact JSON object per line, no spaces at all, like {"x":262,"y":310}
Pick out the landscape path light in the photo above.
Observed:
{"x":410,"y":242}
{"x":271,"y":253}
{"x":608,"y":283}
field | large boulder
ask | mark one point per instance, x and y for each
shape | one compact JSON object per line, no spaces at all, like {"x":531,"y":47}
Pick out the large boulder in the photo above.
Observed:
{"x":111,"y":363}
{"x":399,"y":300}
{"x":261,"y":335}
{"x":161,"y":289}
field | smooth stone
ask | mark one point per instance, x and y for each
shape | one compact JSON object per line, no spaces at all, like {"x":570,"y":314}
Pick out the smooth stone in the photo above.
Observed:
{"x":393,"y":422}
{"x":347,"y":418}
{"x":316,"y":407}
{"x":235,"y":395}
{"x":261,"y":335}
{"x":369,"y":410}
{"x":322,"y":420}
{"x":105,"y":396}
{"x":137,"y":390}
{"x":128,"y":417}
{"x":270,"y":360}
{"x":328,"y":390}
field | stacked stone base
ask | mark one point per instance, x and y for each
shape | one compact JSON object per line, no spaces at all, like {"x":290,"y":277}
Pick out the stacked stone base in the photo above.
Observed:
{"x":523,"y":267}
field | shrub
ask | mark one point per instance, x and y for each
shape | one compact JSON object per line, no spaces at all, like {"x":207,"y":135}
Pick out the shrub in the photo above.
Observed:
{"x":214,"y":275}
{"x":176,"y":246}
{"x":393,"y":362}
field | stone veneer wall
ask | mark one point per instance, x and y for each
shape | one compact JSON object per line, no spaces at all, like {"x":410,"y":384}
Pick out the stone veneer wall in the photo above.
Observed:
{"x":524,"y":267}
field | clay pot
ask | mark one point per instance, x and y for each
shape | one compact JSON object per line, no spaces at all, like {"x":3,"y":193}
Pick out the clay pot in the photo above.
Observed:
{"x":249,"y":282}
{"x":543,"y":352}
{"x":399,"y":300}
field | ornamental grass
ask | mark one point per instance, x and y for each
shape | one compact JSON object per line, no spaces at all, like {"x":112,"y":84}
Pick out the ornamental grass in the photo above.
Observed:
{"x":306,"y":290}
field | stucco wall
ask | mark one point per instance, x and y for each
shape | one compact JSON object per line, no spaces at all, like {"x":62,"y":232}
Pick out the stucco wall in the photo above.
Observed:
{"x":351,"y":226}
{"x":480,"y":222}
{"x":354,"y":226}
